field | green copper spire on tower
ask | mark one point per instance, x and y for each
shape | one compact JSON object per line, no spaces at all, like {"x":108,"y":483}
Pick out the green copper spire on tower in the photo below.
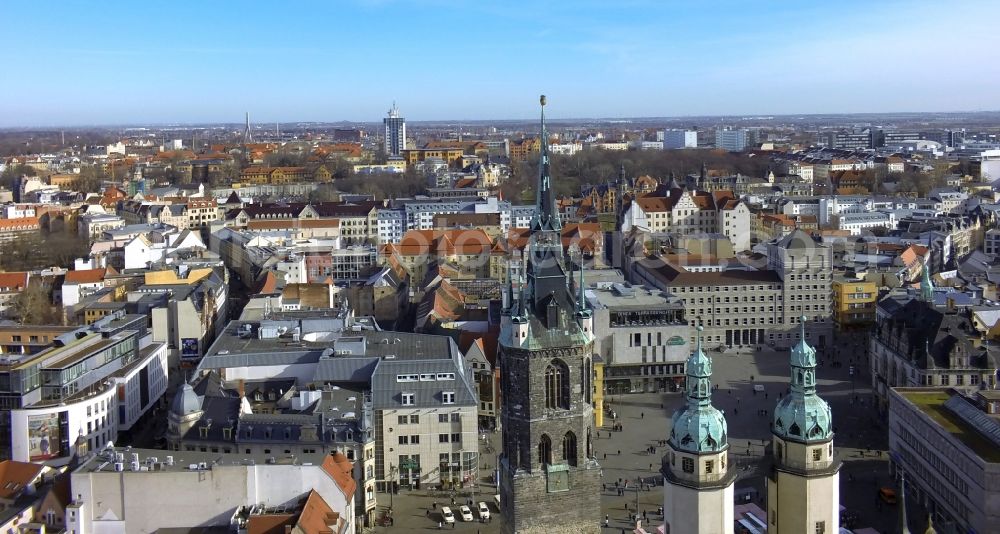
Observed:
{"x":802,"y":415}
{"x":699,"y":427}
{"x":546,"y":216}
{"x":581,"y":299}
{"x":926,"y":286}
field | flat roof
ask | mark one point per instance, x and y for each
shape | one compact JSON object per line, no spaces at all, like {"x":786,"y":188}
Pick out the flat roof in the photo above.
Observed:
{"x":100,"y":460}
{"x":932,"y":403}
{"x":640,"y":297}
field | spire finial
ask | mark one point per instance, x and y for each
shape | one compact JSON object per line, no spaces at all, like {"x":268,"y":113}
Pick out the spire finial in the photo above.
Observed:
{"x":802,"y":326}
{"x":698,"y":329}
{"x":903,"y":528}
{"x":581,"y":301}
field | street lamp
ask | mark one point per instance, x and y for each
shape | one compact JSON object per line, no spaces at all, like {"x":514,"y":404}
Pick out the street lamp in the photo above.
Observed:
{"x":392,"y":482}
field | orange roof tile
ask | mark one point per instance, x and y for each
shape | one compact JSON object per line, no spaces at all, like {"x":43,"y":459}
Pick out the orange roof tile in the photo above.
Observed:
{"x":85,"y":276}
{"x":14,"y":280}
{"x":317,"y":517}
{"x":340,"y":470}
{"x":15,"y":476}
{"x":20,"y":223}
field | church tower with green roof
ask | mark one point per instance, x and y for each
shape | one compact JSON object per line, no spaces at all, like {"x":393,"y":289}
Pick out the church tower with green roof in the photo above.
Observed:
{"x":803,"y":485}
{"x":698,"y":480}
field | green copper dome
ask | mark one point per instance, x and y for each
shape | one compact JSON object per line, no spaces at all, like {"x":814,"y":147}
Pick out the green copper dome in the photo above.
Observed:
{"x":699,"y":427}
{"x":802,"y":415}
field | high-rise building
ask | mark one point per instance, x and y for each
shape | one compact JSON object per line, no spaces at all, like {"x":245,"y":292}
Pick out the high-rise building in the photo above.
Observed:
{"x":803,"y":487}
{"x":549,"y":476}
{"x":679,"y":139}
{"x":698,"y":480}
{"x":731,"y":140}
{"x":395,"y":133}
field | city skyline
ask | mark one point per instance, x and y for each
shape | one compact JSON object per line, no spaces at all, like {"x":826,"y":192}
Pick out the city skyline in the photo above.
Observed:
{"x":441,"y":60}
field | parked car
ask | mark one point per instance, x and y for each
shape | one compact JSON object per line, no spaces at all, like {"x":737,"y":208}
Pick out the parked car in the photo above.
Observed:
{"x":447,"y":515}
{"x":466,"y":513}
{"x":484,"y":511}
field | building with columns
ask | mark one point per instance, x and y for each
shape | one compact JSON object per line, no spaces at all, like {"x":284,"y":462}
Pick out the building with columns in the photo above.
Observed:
{"x":803,"y":485}
{"x":698,"y":480}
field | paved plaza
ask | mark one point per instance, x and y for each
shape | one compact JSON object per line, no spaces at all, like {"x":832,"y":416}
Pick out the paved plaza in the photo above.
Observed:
{"x":645,"y":421}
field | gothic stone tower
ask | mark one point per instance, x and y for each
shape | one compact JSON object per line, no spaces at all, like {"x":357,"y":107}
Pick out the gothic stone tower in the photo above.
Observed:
{"x":803,"y":485}
{"x":698,"y":481}
{"x":549,"y":478}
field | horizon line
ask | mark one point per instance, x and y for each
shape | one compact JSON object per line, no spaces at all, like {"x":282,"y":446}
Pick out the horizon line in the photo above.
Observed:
{"x":526,"y":119}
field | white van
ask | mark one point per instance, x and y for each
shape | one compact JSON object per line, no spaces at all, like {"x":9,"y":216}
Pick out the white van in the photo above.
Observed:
{"x":447,"y":515}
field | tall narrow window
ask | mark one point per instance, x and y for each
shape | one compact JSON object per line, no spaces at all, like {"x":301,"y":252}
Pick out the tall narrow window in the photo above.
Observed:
{"x":545,"y":450}
{"x":557,"y":385}
{"x":569,"y":448}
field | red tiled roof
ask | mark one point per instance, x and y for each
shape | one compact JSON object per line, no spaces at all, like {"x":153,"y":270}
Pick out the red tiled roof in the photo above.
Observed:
{"x":20,"y":223}
{"x":14,"y":280}
{"x":85,"y":276}
{"x":15,"y":476}
{"x":340,"y":468}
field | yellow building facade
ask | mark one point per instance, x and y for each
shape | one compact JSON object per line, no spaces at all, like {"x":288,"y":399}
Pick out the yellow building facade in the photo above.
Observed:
{"x":853,"y":303}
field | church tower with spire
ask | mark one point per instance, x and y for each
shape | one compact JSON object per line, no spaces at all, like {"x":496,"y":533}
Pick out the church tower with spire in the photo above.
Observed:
{"x":803,"y":485}
{"x":549,"y":475}
{"x":698,"y":481}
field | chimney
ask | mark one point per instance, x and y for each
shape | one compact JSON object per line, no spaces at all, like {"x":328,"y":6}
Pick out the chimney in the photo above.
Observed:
{"x":242,"y":388}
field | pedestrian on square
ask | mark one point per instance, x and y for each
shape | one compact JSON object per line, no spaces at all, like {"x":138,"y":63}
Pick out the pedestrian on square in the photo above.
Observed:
{"x":642,"y":415}
{"x":619,"y":452}
{"x":435,"y":505}
{"x":440,"y":525}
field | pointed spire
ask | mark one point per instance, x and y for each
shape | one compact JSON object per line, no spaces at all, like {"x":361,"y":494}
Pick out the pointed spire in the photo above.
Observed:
{"x":926,"y":286}
{"x":581,"y":300}
{"x":621,"y":174}
{"x":903,"y":529}
{"x":509,"y":290}
{"x":699,"y":373}
{"x":546,"y":217}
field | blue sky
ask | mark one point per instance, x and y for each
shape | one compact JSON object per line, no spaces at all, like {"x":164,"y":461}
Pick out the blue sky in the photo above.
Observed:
{"x":74,"y":63}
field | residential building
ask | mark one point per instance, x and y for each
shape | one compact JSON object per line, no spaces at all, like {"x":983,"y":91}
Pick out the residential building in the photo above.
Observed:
{"x":11,"y":229}
{"x":93,"y":225}
{"x":991,"y":242}
{"x":854,"y":301}
{"x":12,"y":284}
{"x":395,"y":133}
{"x":673,"y":139}
{"x":943,"y":442}
{"x":524,"y":149}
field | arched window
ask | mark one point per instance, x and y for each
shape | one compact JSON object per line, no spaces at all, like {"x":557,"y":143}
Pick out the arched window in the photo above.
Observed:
{"x":545,"y":450}
{"x":569,"y":448}
{"x":557,"y":385}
